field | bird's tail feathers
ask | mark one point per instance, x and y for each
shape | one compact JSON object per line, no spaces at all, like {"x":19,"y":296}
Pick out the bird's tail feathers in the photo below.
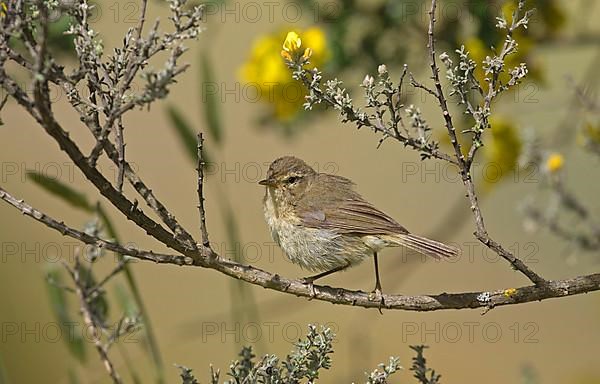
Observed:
{"x":426,"y":246}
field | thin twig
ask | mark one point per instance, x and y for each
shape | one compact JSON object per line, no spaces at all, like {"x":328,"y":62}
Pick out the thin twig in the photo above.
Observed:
{"x":493,"y":86}
{"x":116,"y":154}
{"x":96,"y":289}
{"x":420,"y":85}
{"x":126,"y":207}
{"x":121,"y":154}
{"x":89,"y":239}
{"x":88,"y":318}
{"x":585,"y":242}
{"x":395,"y":106}
{"x":375,"y":124}
{"x":201,"y":211}
{"x":439,"y":93}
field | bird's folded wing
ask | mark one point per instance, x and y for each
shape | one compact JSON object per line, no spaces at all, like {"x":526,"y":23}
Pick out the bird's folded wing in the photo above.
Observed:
{"x":354,"y":216}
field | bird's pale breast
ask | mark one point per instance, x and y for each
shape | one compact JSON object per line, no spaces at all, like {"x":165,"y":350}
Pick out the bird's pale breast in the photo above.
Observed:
{"x":311,"y":248}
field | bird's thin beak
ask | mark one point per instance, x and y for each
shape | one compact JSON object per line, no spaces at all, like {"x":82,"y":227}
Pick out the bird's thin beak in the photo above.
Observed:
{"x":267,"y":182}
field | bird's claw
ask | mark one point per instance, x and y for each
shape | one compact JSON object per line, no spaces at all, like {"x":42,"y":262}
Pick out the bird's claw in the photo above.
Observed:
{"x":308,"y":281}
{"x":377,"y":295}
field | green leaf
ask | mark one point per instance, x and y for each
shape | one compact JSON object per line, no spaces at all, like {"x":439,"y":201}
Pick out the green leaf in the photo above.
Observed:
{"x":73,"y":379}
{"x":107,"y":222}
{"x":61,"y":190}
{"x":58,"y":40}
{"x":3,"y":378}
{"x":243,"y":302}
{"x":210,"y":100}
{"x":184,"y":130}
{"x":126,"y":302}
{"x":186,"y":134}
{"x":59,"y":305}
{"x":99,"y":305}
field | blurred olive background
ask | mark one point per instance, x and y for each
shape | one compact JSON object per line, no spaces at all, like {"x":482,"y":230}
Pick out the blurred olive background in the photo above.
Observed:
{"x":191,"y":308}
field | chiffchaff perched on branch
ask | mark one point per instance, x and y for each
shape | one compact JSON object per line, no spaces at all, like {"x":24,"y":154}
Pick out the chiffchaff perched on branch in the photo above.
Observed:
{"x":322,"y":224}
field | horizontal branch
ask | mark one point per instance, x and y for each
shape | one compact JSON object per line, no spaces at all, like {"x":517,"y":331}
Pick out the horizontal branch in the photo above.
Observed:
{"x":65,"y":230}
{"x":259,"y":277}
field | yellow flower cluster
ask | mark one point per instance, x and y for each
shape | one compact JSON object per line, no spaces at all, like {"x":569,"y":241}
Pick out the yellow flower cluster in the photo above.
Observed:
{"x":266,"y":70}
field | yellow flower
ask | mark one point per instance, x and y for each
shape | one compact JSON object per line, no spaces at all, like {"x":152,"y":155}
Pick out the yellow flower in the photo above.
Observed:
{"x":292,"y":42}
{"x":315,"y":39}
{"x":509,"y":292}
{"x":555,"y":162}
{"x":265,"y":71}
{"x":307,"y":54}
{"x":3,"y":9}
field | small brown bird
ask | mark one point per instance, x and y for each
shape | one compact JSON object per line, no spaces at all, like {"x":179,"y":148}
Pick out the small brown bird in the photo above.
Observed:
{"x":322,"y":224}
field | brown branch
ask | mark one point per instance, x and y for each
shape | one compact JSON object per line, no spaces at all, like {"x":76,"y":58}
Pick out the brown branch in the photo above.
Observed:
{"x":43,"y":69}
{"x":465,"y":165}
{"x":201,"y":211}
{"x":116,"y":154}
{"x":48,"y":122}
{"x":89,"y":239}
{"x":439,"y":93}
{"x":17,"y":93}
{"x":493,"y":86}
{"x":256,"y":276}
{"x":121,"y":154}
{"x":126,"y":207}
{"x":422,"y":86}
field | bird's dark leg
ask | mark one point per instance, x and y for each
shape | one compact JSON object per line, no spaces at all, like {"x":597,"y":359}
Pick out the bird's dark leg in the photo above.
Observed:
{"x":310,"y":279}
{"x":377,"y":281}
{"x":377,"y":291}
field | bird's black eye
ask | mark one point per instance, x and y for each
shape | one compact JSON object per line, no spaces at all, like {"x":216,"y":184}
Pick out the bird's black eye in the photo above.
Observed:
{"x":292,"y":179}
